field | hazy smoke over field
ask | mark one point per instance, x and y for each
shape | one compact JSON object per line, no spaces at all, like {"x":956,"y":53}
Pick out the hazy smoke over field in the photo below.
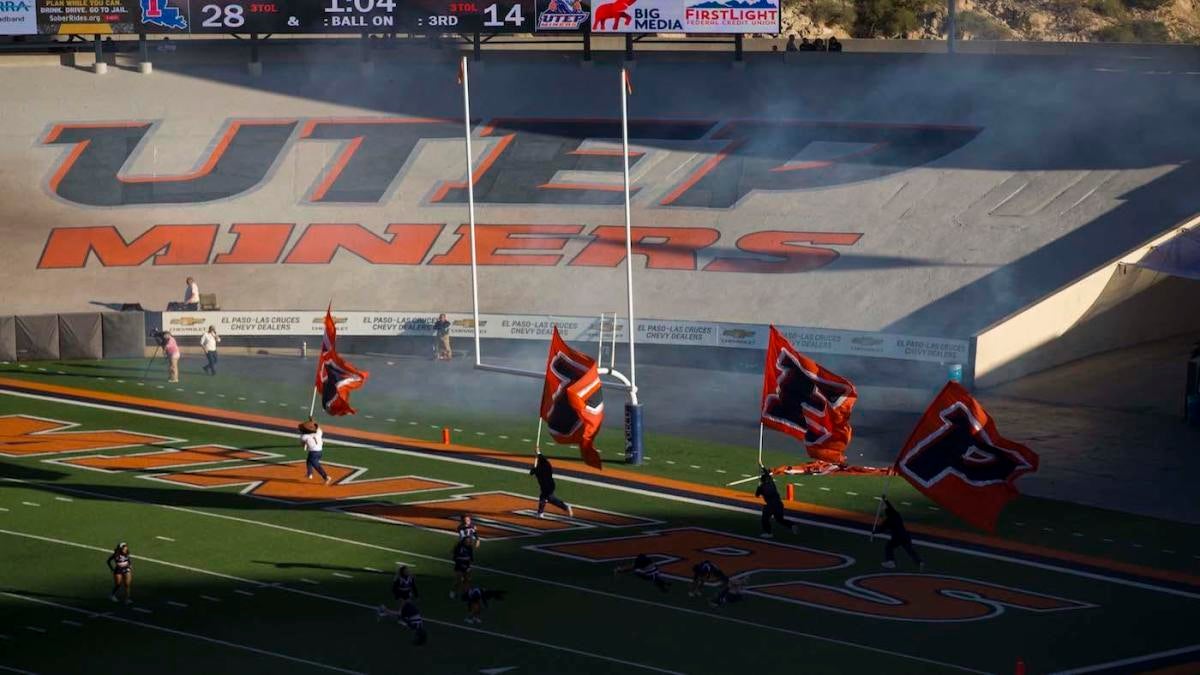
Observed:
{"x":1038,"y":118}
{"x":984,"y":230}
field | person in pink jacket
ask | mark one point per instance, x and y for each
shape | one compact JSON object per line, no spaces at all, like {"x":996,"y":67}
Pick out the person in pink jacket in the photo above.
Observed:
{"x":171,"y":349}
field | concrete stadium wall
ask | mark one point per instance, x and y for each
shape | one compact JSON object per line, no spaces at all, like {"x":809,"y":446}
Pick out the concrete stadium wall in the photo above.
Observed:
{"x":1117,"y":305}
{"x":920,"y":195}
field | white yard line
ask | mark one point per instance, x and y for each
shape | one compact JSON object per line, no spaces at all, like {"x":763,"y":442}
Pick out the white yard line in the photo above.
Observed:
{"x":173,"y":631}
{"x":571,"y":479}
{"x":1131,"y":661}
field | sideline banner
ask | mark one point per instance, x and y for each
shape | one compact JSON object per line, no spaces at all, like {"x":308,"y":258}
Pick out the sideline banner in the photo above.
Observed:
{"x":680,"y":16}
{"x":18,"y":18}
{"x":572,"y":328}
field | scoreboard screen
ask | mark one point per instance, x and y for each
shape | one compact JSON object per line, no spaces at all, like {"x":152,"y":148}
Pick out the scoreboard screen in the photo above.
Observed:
{"x":468,"y":16}
{"x":290,"y":16}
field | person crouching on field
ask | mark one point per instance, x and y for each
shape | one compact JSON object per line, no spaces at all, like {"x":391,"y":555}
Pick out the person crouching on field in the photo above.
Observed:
{"x":477,"y":598}
{"x":704,"y":573}
{"x":731,"y":591}
{"x":893,"y":523}
{"x":313,"y":440}
{"x":121,"y":566}
{"x":772,"y":505}
{"x":643,"y":567}
{"x":545,"y":478}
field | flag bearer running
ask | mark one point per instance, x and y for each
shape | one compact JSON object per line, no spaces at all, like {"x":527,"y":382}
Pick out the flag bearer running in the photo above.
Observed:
{"x":772,"y":505}
{"x":545,"y":478}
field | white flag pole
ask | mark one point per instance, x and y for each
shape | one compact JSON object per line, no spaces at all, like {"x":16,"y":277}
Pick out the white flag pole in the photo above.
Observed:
{"x":760,"y":444}
{"x":466,"y":85}
{"x":628,"y":233}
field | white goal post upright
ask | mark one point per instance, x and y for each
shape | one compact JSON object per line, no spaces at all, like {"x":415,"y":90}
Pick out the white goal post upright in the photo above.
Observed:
{"x":633,"y":421}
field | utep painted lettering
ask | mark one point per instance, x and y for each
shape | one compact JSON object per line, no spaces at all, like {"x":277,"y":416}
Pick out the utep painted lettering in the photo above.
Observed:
{"x":677,"y":248}
{"x":520,"y":167}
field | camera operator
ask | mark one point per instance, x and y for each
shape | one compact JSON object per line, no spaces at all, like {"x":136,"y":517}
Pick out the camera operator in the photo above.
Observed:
{"x":171,"y":349}
{"x":208,"y":343}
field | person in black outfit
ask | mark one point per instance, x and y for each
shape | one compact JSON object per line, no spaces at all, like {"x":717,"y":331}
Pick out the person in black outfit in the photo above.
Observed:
{"x":643,"y":567}
{"x":894,"y":524}
{"x":545,"y":478}
{"x":404,"y":590}
{"x":410,"y":616}
{"x":772,"y":505}
{"x":121,"y":566}
{"x":833,"y":45}
{"x":463,"y":556}
{"x":704,"y":573}
{"x":731,"y":591}
{"x":477,"y":598}
{"x":467,"y":531}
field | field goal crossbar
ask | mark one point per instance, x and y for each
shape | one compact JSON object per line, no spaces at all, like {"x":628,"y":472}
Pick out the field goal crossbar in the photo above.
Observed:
{"x":622,"y":383}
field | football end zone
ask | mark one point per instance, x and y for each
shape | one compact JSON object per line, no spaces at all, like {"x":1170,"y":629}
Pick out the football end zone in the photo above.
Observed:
{"x":830,"y":573}
{"x":615,"y":478}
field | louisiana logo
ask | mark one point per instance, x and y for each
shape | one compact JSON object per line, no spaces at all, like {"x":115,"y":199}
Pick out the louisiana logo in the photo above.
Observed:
{"x":161,"y":13}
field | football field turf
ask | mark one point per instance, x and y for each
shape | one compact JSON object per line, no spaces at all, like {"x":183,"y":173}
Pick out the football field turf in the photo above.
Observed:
{"x":242,"y":564}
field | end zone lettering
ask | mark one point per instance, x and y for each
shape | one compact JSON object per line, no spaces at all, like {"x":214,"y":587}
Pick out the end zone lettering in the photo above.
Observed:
{"x":412,"y":244}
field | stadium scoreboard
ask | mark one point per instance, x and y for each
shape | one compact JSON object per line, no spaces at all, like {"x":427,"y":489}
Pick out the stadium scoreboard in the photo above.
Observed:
{"x":284,"y":16}
{"x":479,"y":16}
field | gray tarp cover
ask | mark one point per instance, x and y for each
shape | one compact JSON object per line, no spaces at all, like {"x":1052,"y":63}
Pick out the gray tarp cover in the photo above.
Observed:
{"x":79,"y":336}
{"x":37,"y":337}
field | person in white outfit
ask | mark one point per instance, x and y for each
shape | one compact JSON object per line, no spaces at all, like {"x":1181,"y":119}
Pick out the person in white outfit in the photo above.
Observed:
{"x":191,"y":295}
{"x":208,"y":342}
{"x":314,"y":442}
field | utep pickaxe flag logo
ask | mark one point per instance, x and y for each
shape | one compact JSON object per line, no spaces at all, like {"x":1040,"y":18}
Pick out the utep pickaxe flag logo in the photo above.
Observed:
{"x":336,"y":378}
{"x":956,"y":457}
{"x":803,"y":399}
{"x":161,"y":13}
{"x":572,"y":399}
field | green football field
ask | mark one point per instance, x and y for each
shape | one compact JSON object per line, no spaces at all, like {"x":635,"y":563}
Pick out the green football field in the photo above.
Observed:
{"x":241,"y":564}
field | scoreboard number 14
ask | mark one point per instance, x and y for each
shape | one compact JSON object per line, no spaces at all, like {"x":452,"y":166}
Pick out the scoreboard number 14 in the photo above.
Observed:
{"x":514,"y":16}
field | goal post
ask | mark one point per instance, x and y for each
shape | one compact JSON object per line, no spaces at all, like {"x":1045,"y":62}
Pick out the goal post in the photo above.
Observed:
{"x":633,"y":410}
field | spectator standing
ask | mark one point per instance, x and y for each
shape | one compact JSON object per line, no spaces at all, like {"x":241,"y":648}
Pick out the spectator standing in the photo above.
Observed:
{"x":441,"y":342}
{"x":806,"y":46}
{"x":791,"y":43}
{"x":171,"y":349}
{"x":191,"y":295}
{"x":833,"y":45}
{"x":208,"y":342}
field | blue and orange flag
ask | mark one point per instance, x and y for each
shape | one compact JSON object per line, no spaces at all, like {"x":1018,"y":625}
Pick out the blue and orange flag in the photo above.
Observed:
{"x":336,"y":377}
{"x":572,"y":398}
